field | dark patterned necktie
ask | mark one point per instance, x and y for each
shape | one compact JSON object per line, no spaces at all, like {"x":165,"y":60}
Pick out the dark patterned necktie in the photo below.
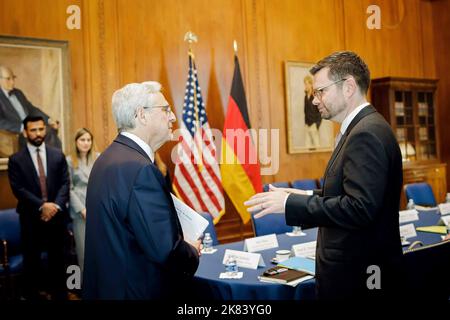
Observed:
{"x":42,"y":179}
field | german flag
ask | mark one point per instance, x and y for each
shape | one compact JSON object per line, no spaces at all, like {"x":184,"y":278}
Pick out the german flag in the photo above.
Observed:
{"x":240,"y":170}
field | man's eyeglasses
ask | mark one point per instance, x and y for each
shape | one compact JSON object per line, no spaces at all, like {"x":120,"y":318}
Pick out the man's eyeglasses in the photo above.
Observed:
{"x":319,"y":91}
{"x":166,"y":108}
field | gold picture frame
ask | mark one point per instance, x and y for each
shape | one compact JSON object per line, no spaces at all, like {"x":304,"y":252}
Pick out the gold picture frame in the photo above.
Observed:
{"x":306,"y":131}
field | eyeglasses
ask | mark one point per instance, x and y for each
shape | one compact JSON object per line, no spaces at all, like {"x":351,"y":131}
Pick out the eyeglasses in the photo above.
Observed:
{"x":319,"y":91}
{"x":166,"y":108}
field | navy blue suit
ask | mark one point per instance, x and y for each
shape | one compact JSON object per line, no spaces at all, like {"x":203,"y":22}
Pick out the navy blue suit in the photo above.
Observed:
{"x":134,"y":243}
{"x":37,"y":235}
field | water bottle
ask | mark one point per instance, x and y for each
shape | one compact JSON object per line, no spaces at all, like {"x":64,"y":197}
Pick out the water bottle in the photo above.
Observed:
{"x":231,"y":266}
{"x":410,"y":204}
{"x":296,"y":229}
{"x":207,"y":243}
{"x":447,"y":198}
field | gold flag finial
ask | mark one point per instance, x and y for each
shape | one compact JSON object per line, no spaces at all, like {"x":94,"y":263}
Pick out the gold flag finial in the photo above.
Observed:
{"x":190,"y":37}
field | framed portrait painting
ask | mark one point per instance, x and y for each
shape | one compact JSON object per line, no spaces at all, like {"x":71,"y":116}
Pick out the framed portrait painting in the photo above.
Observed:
{"x":40,"y":69}
{"x":306,"y":130}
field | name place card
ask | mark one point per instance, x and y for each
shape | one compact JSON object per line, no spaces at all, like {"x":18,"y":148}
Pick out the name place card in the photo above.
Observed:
{"x":444,"y":208}
{"x":245,"y":259}
{"x":261,"y":243}
{"x":408,"y":215}
{"x":408,"y":231}
{"x":307,"y":249}
{"x":444,"y":221}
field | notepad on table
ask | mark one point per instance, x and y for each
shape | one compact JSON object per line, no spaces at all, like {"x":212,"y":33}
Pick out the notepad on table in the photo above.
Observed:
{"x":300,"y":264}
{"x":433,"y":229}
{"x":285,"y":277}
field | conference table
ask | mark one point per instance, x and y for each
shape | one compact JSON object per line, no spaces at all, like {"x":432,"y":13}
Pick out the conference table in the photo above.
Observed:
{"x":208,"y":286}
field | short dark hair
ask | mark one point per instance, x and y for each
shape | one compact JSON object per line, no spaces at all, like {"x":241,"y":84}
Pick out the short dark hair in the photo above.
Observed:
{"x":32,"y":118}
{"x":345,"y":63}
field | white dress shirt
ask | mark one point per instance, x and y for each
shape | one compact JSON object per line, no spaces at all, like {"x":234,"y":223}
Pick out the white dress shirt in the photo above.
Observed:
{"x":42,"y":153}
{"x":348,"y":119}
{"x":141,"y":144}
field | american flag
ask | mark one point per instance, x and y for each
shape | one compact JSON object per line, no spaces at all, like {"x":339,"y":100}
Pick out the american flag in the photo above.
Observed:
{"x":197,"y":179}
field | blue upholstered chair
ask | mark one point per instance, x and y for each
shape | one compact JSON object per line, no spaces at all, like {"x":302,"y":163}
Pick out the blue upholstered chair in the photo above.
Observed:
{"x":271,"y":223}
{"x":304,"y":184}
{"x":321,"y":180}
{"x":421,"y":193}
{"x":276,"y":184}
{"x":211,"y":228}
{"x":11,"y":259}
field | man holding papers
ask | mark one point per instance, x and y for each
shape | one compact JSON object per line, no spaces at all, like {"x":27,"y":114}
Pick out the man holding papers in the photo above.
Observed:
{"x":134,"y":241}
{"x":358,"y":244}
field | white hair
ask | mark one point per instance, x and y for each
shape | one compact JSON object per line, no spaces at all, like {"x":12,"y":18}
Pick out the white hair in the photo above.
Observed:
{"x":128,"y":99}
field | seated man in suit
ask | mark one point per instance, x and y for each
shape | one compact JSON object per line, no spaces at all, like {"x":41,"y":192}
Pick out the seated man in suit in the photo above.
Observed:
{"x":134,"y":243}
{"x":14,"y":107}
{"x":357,"y":209}
{"x":39,"y":179}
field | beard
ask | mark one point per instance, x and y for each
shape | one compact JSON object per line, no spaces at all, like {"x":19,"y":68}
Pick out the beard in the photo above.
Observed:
{"x":37,"y":141}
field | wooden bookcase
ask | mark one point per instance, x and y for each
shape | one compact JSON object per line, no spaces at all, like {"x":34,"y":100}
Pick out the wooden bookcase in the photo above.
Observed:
{"x":409,"y":105}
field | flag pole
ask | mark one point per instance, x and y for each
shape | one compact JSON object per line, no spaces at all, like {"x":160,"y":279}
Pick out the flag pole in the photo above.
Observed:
{"x":191,"y":37}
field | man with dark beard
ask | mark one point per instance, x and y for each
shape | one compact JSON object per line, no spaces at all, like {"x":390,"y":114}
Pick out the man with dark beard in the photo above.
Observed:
{"x":39,"y":179}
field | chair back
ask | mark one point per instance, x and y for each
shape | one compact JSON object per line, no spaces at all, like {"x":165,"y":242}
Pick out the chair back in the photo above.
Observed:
{"x":276,"y":184}
{"x":210,"y":228}
{"x":304,"y":184}
{"x":421,"y":193}
{"x":271,"y":223}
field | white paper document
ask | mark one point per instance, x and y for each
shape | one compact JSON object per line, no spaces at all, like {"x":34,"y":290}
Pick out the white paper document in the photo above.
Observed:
{"x":225,"y":275}
{"x":408,"y":215}
{"x":192,"y":223}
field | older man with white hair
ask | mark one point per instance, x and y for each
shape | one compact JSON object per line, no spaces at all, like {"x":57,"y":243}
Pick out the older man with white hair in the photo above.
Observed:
{"x":134,"y":242}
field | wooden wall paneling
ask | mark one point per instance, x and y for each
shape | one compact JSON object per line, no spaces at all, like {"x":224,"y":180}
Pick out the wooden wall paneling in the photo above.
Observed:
{"x":292,"y":34}
{"x":7,"y":200}
{"x":441,"y":40}
{"x":103,"y":69}
{"x":396,"y":48}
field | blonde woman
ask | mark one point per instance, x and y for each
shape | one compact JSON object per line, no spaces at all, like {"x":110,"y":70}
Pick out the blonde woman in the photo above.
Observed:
{"x":80,"y":164}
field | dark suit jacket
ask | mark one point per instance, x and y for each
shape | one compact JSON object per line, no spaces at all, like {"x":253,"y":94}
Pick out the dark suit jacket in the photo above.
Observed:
{"x":25,"y":185}
{"x":134,"y":243}
{"x":9,"y":118}
{"x":357,"y":212}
